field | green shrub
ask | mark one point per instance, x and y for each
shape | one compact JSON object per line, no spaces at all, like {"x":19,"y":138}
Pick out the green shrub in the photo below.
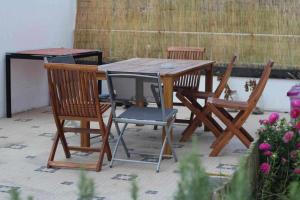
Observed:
{"x":134,"y":190}
{"x":239,"y":186}
{"x":194,"y":182}
{"x":86,"y":187}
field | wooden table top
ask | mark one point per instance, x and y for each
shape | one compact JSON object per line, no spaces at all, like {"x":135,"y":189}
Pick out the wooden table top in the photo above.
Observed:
{"x":56,"y":51}
{"x":166,"y":67}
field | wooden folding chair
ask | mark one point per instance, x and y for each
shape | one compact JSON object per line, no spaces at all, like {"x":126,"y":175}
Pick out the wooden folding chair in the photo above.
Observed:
{"x":234,"y":125}
{"x":189,"y":81}
{"x":188,"y":97}
{"x":74,"y":96}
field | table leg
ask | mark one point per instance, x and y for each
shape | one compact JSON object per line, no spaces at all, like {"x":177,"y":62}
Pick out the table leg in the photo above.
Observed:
{"x":168,"y":98}
{"x":8,"y":86}
{"x":84,"y":137}
{"x":208,"y":84}
{"x":99,"y":62}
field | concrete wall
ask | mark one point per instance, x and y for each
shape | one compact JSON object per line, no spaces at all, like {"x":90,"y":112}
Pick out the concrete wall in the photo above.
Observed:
{"x":273,"y":99}
{"x":32,"y":24}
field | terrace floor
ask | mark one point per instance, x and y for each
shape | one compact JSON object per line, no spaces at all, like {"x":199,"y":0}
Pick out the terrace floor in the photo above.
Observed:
{"x":25,"y":142}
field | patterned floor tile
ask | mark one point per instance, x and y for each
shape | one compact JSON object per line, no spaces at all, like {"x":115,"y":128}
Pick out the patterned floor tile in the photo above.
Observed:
{"x":16,"y":146}
{"x":7,"y":188}
{"x":25,"y":156}
{"x":22,"y":120}
{"x":45,"y":169}
{"x":124,"y":177}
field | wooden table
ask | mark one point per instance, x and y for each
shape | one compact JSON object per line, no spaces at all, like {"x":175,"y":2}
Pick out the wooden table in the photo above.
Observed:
{"x":169,"y":69}
{"x":40,"y":54}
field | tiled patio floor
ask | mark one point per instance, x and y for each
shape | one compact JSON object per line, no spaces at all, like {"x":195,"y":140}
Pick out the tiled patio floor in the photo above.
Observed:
{"x":25,"y":141}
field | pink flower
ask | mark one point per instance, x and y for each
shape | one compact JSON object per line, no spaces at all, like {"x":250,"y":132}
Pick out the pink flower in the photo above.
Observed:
{"x":263,"y":122}
{"x":288,"y":136}
{"x":296,"y":103}
{"x":293,"y":155}
{"x":268,"y":153}
{"x":265,"y":168}
{"x":298,"y":146}
{"x":297,"y":171}
{"x":264,"y":146}
{"x":298,"y":125}
{"x":283,"y":160}
{"x":273,"y":117}
{"x":295,"y":113}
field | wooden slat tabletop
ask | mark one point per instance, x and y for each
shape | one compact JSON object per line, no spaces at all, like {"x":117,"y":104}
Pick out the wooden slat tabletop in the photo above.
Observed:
{"x":166,"y":67}
{"x":55,"y":51}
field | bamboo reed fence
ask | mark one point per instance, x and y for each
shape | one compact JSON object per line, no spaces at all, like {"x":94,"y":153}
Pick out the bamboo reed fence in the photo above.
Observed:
{"x":254,"y":29}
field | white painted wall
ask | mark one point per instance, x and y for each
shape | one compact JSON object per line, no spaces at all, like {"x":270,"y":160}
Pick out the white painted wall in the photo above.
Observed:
{"x":32,"y":24}
{"x":274,"y":96}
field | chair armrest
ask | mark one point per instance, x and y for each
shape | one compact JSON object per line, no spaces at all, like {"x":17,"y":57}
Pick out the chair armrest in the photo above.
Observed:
{"x":240,"y":105}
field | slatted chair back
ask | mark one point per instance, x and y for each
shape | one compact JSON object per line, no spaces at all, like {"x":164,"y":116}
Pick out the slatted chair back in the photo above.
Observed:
{"x":73,"y":90}
{"x":190,"y":81}
{"x":225,"y":78}
{"x":258,"y":90}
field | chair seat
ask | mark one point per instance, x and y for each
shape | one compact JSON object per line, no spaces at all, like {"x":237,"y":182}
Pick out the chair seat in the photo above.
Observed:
{"x":241,"y":105}
{"x":104,"y":97}
{"x":202,"y":95}
{"x":146,"y":114}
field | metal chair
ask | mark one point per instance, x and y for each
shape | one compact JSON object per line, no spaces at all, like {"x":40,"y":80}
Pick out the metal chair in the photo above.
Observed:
{"x":141,"y":88}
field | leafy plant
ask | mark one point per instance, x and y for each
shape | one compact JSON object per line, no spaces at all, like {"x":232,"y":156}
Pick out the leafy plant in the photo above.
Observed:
{"x":134,"y":190}
{"x":239,"y":186}
{"x":279,"y":156}
{"x":294,"y":191}
{"x":194,"y":182}
{"x":86,"y":187}
{"x":15,"y":195}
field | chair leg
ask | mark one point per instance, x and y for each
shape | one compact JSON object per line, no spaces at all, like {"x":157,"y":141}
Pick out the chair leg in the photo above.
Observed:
{"x":161,"y":154}
{"x":63,"y":140}
{"x":120,"y":139}
{"x":189,"y":130}
{"x":246,"y":134}
{"x":53,"y":149}
{"x":109,"y":123}
{"x":104,"y":147}
{"x":221,"y":143}
{"x":250,"y":138}
{"x":167,"y":130}
{"x":65,"y":145}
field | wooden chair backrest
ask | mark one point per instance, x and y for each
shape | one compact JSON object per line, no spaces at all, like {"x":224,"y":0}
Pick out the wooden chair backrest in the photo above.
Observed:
{"x":258,"y":90}
{"x":188,"y":53}
{"x":225,"y":78}
{"x":190,"y":81}
{"x":73,"y":90}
